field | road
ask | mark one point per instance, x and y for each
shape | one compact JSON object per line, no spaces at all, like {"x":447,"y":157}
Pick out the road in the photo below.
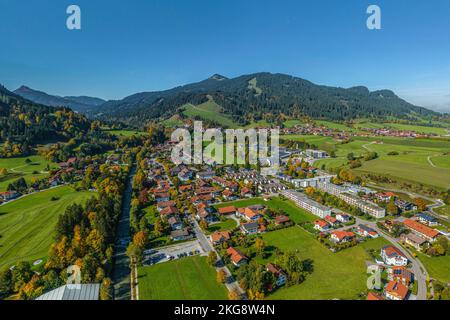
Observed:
{"x":207,"y":248}
{"x":121,"y":268}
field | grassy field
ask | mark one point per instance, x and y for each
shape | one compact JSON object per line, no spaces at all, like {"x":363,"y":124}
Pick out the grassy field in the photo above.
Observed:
{"x":27,"y":224}
{"x":209,"y":111}
{"x":406,"y":127}
{"x":437,"y":267}
{"x":339,"y":275}
{"x":184,"y":279}
{"x":445,"y":210}
{"x":295,"y":213}
{"x":19,"y":167}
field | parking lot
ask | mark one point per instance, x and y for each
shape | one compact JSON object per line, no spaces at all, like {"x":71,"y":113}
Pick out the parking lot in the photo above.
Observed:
{"x":177,"y":251}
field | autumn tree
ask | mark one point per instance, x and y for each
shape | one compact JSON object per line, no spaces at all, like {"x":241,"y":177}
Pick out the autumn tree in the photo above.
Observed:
{"x":212,"y":258}
{"x":221,"y":276}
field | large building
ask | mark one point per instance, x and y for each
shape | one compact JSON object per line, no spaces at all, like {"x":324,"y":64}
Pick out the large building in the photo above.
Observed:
{"x":421,"y":230}
{"x":311,"y":182}
{"x":306,"y":203}
{"x":81,"y":292}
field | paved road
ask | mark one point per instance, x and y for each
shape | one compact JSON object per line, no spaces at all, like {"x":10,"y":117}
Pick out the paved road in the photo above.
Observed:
{"x":121,"y":268}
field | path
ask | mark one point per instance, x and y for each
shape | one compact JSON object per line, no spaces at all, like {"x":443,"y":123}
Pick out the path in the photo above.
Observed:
{"x":368,"y":144}
{"x":121,"y":267}
{"x":431,"y":162}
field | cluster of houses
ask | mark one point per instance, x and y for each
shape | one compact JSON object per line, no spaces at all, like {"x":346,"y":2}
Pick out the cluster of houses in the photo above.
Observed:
{"x":8,"y":196}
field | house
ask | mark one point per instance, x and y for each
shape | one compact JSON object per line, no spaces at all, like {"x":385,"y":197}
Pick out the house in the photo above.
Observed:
{"x":164,"y":204}
{"x":162,"y":197}
{"x":413,"y":240}
{"x":228,"y":195}
{"x":405,"y":205}
{"x":220,"y":236}
{"x":342,"y":236}
{"x":384,"y":196}
{"x":279,"y":274}
{"x":393,"y":256}
{"x":175,"y":223}
{"x":237,"y":258}
{"x":205,"y":175}
{"x":248,"y":213}
{"x":421,"y":230}
{"x":366,"y":231}
{"x":374,"y":296}
{"x":331,"y":220}
{"x":185,"y":175}
{"x":203,"y":214}
{"x":250,"y":228}
{"x":396,"y":291}
{"x":227,"y":210}
{"x":246,"y":193}
{"x":401,"y":274}
{"x":168,"y":212}
{"x":321,"y":225}
{"x":344,"y":218}
{"x":180,"y":235}
{"x":282,"y":220}
{"x":185,"y":188}
{"x":427,"y":219}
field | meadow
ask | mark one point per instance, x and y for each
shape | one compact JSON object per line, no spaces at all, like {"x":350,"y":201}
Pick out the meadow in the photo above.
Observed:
{"x":27,"y":224}
{"x":19,"y":167}
{"x":183,"y":279}
{"x":125,"y":133}
{"x":208,"y":111}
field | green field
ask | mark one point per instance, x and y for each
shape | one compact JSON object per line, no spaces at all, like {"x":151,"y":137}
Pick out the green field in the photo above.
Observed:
{"x":125,"y":133}
{"x":27,"y":224}
{"x":445,"y":210}
{"x":406,"y":127}
{"x":183,"y":279}
{"x":295,"y":213}
{"x":18,"y":167}
{"x":228,"y":224}
{"x":419,"y":160}
{"x":339,"y":275}
{"x":208,"y":111}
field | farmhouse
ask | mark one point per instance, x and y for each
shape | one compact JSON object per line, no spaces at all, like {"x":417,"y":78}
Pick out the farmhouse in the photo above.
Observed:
{"x":421,"y":230}
{"x":237,"y":258}
{"x":393,"y":256}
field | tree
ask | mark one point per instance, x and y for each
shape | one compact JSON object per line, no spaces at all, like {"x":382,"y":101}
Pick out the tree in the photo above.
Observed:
{"x":6,"y":282}
{"x":203,"y":224}
{"x":212,"y":258}
{"x":140,"y":239}
{"x":234,"y":295}
{"x":260,"y":245}
{"x":135,"y":254}
{"x":392,"y":209}
{"x":221,"y":276}
{"x":351,"y":156}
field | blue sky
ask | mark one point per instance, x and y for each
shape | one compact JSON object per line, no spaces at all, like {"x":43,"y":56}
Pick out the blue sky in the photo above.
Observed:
{"x":142,"y":45}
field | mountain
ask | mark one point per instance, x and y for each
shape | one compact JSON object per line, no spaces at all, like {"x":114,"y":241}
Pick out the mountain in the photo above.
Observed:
{"x":24,"y":123}
{"x":80,"y":104}
{"x":262,"y":95}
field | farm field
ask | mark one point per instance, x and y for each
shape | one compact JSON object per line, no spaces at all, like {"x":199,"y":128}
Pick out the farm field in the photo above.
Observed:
{"x":445,"y":210}
{"x":339,"y":275}
{"x":406,"y":127}
{"x":19,"y":167}
{"x":295,"y":213}
{"x":437,"y":267}
{"x":27,"y":224}
{"x":183,"y":279}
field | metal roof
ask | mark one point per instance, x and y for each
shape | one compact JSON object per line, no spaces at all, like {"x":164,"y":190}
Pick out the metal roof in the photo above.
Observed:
{"x":73,"y":292}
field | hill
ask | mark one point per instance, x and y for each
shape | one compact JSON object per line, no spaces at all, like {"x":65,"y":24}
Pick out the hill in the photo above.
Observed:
{"x":264,"y":96}
{"x":80,"y":104}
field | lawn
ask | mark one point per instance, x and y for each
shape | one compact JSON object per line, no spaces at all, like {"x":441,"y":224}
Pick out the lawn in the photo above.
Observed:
{"x":228,"y":224}
{"x":445,"y":210}
{"x":437,"y":267}
{"x":183,"y":279}
{"x":339,"y":275}
{"x":19,"y":167}
{"x":125,"y":133}
{"x":27,"y":224}
{"x":295,"y":213}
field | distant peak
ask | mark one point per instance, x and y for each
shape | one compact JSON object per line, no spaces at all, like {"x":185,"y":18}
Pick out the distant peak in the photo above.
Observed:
{"x":24,"y":88}
{"x":218,"y":77}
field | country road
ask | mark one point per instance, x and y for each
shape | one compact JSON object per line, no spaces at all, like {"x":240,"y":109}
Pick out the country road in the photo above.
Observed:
{"x":121,"y":268}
